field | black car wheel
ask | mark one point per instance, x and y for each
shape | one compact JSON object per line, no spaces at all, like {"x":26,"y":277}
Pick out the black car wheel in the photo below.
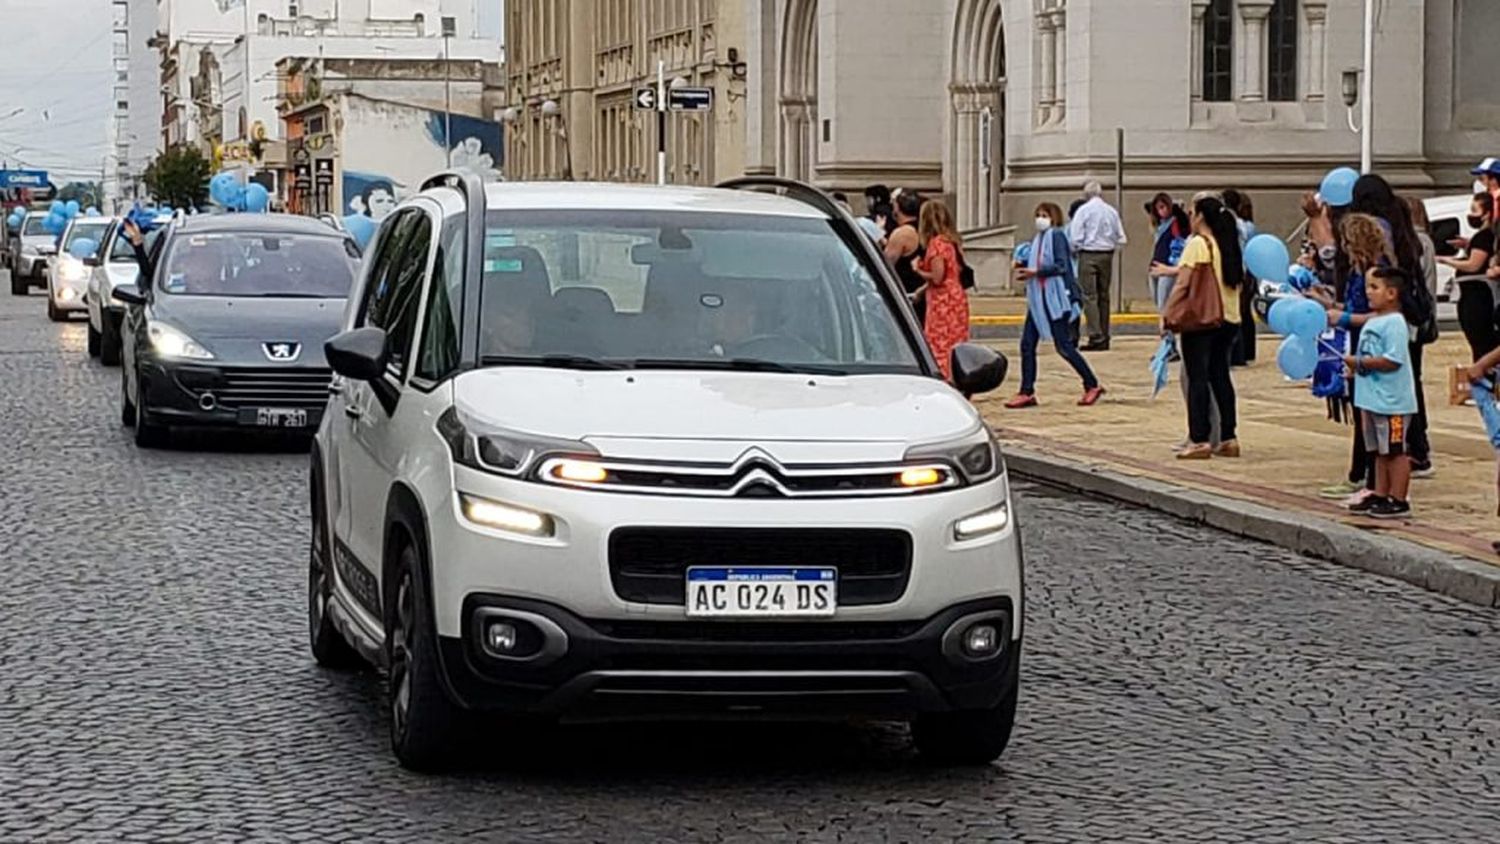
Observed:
{"x":52,"y":312}
{"x":148,"y":434}
{"x":17,"y":283}
{"x":93,"y":341}
{"x":425,"y":725}
{"x":328,"y":645}
{"x":109,"y":340}
{"x":968,"y":737}
{"x":127,"y":407}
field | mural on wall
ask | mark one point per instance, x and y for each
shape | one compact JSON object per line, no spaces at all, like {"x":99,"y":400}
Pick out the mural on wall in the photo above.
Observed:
{"x":389,"y":148}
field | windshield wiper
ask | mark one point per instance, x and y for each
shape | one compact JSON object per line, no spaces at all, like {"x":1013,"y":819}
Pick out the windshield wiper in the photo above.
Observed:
{"x":555,"y":361}
{"x":737,"y":365}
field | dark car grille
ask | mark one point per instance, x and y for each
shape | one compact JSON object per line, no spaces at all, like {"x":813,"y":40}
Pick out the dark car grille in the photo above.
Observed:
{"x":649,"y":564}
{"x":273,"y":387}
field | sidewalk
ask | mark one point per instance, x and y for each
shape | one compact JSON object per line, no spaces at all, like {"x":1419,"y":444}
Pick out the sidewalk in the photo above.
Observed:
{"x":1291,"y":450}
{"x":1010,"y":311}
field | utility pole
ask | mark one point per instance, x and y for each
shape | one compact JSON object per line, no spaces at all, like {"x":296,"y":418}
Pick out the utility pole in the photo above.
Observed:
{"x":449,"y":26}
{"x":245,"y":91}
{"x":1366,"y":95}
{"x":661,"y":122}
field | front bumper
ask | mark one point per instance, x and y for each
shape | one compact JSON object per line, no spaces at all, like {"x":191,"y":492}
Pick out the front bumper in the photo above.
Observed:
{"x":34,"y":266}
{"x":68,"y":296}
{"x":205,"y":394}
{"x":637,"y":668}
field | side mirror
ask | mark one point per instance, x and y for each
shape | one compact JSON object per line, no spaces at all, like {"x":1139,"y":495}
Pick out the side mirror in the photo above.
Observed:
{"x":130,"y":294}
{"x":93,"y":261}
{"x":359,"y":354}
{"x":977,"y":369}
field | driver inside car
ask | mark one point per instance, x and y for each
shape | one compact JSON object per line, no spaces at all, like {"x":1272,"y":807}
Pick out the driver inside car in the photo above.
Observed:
{"x":729,"y":320}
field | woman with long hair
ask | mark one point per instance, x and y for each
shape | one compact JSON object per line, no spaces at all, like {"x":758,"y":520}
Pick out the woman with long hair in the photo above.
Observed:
{"x":947,"y":322}
{"x":1476,"y":300}
{"x":1215,"y":243}
{"x":1049,"y":307}
{"x":1373,"y":196}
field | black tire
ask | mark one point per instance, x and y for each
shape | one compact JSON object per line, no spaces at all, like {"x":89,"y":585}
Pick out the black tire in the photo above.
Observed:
{"x":17,"y":283}
{"x":109,"y":340}
{"x":93,"y":341}
{"x":328,"y":645}
{"x":968,"y":737}
{"x":425,"y":725}
{"x":127,"y":407}
{"x":52,"y":312}
{"x":148,"y":434}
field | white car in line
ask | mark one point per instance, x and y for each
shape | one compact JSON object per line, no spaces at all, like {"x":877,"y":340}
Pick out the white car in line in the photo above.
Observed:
{"x":68,"y":274}
{"x":620,"y":451}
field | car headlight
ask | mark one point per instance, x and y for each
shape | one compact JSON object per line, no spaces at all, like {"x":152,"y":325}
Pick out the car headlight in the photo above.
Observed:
{"x":509,"y":453}
{"x":507,"y":517}
{"x":975,"y":456}
{"x":172,"y":343}
{"x":72,"y":269}
{"x":983,"y":523}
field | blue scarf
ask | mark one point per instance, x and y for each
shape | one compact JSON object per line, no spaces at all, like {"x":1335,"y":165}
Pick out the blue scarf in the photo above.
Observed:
{"x":1047,"y":299}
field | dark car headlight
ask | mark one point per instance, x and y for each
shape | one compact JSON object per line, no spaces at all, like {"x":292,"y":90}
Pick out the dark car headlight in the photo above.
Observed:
{"x":976,"y":456}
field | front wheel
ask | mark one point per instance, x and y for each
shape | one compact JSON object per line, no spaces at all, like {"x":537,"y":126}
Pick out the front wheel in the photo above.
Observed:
{"x":109,"y":340}
{"x":968,"y":737}
{"x":17,"y":283}
{"x":93,"y":341}
{"x":52,"y":312}
{"x":148,"y":434}
{"x":425,"y":725}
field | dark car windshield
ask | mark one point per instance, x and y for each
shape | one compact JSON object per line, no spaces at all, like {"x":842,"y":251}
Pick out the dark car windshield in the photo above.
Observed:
{"x":79,"y":231}
{"x":259,"y":264}
{"x":34,"y":225}
{"x":682,"y":290}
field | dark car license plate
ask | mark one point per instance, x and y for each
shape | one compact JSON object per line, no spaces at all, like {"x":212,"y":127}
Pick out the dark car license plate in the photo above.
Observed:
{"x":275,"y":417}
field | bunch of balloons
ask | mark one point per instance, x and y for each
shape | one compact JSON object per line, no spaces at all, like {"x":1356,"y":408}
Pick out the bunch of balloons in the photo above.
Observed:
{"x":1300,"y":320}
{"x":226,"y":190}
{"x":17,"y":216}
{"x":145,"y":218}
{"x":58,"y":216}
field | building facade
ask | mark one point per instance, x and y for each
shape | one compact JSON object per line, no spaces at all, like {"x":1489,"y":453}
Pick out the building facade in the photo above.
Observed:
{"x":572,"y":69}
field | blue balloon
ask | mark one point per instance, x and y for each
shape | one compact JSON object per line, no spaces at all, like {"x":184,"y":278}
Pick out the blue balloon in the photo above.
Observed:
{"x":54,"y":223}
{"x":1023,"y":253}
{"x":1308,"y":320}
{"x":1279,"y":316}
{"x":83,"y":247}
{"x":361,"y":228}
{"x":1297,"y":358}
{"x":221,"y":188}
{"x":1267,"y":258}
{"x":91,"y":211}
{"x":257,"y":198}
{"x":72,"y":207}
{"x":1338,"y":186}
{"x":56,"y":206}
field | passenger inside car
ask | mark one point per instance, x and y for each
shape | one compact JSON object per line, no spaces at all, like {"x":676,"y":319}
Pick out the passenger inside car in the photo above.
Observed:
{"x":516,"y":290}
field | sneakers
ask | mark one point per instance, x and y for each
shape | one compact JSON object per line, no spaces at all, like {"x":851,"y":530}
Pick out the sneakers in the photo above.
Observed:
{"x":1362,"y":501}
{"x":1423,"y":470}
{"x":1091,"y":397}
{"x":1342,"y":489}
{"x":1390,"y":508}
{"x":1021,"y":400}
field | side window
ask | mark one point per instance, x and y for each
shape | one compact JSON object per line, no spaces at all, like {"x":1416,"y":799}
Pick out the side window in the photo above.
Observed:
{"x":439,"y":353}
{"x":397,"y":298}
{"x":387,"y":245}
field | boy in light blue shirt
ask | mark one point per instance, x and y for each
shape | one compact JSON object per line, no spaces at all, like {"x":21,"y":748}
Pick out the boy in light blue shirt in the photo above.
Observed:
{"x":1385,"y":392}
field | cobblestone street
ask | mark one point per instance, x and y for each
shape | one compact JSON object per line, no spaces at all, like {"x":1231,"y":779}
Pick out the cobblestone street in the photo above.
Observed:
{"x":1178,"y":685}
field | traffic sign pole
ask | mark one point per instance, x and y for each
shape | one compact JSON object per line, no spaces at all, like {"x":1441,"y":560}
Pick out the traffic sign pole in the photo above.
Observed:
{"x":661,"y":122}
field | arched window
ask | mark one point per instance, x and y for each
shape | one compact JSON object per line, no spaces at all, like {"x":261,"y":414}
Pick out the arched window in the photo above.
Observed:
{"x":1218,"y":51}
{"x":421,"y":21}
{"x":1281,"y":52}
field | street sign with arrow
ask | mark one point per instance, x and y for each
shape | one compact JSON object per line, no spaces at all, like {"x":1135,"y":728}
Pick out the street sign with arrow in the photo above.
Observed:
{"x":645,"y":98}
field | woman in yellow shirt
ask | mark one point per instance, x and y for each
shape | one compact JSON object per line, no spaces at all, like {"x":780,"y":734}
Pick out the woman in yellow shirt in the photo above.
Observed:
{"x":1215,"y":241}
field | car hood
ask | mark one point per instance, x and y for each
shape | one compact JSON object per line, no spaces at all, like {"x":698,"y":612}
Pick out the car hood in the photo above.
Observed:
{"x":237,"y":329}
{"x":40,"y":241}
{"x":716,"y":416}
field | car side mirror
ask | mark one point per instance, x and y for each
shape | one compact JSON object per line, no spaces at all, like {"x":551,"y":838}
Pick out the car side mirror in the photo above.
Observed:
{"x":977,"y":369}
{"x":130,"y":294}
{"x":359,"y":354}
{"x":93,"y":261}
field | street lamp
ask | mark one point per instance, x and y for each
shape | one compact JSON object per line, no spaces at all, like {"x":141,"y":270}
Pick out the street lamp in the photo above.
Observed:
{"x":450,"y":28}
{"x":1358,"y":88}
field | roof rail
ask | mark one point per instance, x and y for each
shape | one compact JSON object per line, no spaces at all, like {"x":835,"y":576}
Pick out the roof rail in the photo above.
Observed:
{"x":801,"y":191}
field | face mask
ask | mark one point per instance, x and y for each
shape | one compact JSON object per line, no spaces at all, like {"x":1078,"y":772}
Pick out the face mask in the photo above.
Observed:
{"x":1476,"y":222}
{"x":1043,"y":223}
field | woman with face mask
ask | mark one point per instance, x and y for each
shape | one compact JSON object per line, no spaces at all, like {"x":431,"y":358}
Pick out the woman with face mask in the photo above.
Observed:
{"x":1050,"y":305}
{"x":1476,"y":297}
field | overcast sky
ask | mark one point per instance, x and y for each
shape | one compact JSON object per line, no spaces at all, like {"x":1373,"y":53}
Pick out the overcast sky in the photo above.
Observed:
{"x":55,"y":63}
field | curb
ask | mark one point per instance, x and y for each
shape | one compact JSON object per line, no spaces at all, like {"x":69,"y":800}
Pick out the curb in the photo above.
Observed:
{"x":1457,"y":577}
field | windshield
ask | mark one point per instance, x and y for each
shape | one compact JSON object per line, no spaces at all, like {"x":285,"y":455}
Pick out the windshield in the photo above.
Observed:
{"x":34,"y":225}
{"x":259,"y":264}
{"x":121,"y":250}
{"x":682,"y":290}
{"x":81,"y":231}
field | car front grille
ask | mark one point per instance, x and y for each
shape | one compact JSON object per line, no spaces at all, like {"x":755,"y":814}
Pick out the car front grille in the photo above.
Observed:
{"x":273,"y":387}
{"x":649,"y":564}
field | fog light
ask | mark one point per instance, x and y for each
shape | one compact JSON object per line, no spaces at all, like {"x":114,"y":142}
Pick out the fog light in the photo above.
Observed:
{"x":981,"y":640}
{"x":66,"y":294}
{"x":500,"y":637}
{"x":989,"y":521}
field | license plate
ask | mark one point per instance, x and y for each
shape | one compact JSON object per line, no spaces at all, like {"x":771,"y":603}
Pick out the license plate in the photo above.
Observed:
{"x":277,"y":417}
{"x":761,"y":592}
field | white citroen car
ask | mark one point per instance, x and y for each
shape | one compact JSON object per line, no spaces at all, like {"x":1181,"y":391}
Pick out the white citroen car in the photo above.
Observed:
{"x":616,"y":451}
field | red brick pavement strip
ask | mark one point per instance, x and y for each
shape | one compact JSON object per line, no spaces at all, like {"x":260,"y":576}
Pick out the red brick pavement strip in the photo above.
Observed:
{"x":1420,"y":554}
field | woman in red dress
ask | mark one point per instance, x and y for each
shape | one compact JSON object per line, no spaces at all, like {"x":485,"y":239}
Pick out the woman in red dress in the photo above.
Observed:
{"x":947,"y":304}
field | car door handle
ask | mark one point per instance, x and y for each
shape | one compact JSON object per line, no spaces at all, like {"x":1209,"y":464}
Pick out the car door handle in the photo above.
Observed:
{"x":351,"y":411}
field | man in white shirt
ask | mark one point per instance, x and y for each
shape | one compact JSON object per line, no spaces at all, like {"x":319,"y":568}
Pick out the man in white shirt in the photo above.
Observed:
{"x":1096,"y":232}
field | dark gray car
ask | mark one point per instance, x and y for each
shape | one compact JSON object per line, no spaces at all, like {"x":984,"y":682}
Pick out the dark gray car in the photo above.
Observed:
{"x":228,"y":330}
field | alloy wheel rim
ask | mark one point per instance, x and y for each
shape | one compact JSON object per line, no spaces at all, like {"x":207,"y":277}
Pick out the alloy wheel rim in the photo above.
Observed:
{"x":401,"y":650}
{"x":317,"y":584}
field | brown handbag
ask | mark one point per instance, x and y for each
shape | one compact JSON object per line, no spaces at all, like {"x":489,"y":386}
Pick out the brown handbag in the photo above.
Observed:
{"x":1195,"y":303}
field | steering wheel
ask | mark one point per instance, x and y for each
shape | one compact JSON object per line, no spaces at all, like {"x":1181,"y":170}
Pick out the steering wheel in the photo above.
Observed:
{"x":779,"y":347}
